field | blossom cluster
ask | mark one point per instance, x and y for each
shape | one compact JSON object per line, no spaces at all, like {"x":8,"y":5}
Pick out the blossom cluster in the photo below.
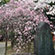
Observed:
{"x":42,"y":3}
{"x":24,"y":19}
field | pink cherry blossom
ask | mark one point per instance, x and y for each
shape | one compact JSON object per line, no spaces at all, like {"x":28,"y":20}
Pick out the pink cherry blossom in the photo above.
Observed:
{"x":22,"y":17}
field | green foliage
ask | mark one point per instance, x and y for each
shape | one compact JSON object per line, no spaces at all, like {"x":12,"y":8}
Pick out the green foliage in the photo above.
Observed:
{"x":51,"y":4}
{"x":50,"y":15}
{"x":11,"y":35}
{"x":2,"y":32}
{"x":4,"y":2}
{"x":7,"y":0}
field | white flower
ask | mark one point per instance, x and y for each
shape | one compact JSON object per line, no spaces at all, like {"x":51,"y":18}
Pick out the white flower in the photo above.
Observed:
{"x":50,"y":8}
{"x":54,"y":32}
{"x":51,"y":11}
{"x":18,"y":50}
{"x":42,"y":3}
{"x":0,"y":0}
{"x":48,"y":1}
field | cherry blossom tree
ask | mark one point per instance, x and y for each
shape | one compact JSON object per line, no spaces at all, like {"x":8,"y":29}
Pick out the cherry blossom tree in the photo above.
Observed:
{"x":20,"y":17}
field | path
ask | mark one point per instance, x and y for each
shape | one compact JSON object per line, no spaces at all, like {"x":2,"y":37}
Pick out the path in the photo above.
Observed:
{"x":2,"y":48}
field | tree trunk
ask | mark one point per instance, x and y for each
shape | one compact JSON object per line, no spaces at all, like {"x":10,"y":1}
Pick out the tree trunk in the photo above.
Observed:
{"x":5,"y":46}
{"x":6,"y":37}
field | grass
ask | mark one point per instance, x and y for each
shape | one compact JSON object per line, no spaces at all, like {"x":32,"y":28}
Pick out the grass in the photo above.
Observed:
{"x":10,"y":51}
